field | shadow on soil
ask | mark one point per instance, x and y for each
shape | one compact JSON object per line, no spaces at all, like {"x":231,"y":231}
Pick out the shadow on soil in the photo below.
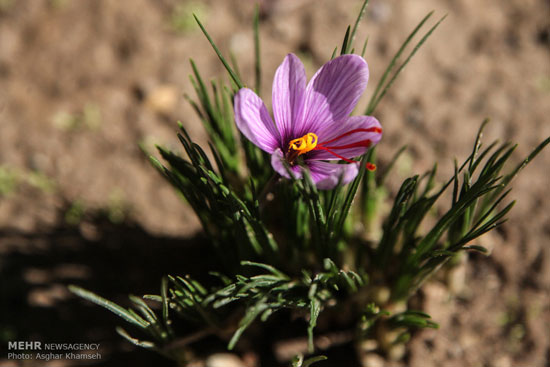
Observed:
{"x":111,"y":260}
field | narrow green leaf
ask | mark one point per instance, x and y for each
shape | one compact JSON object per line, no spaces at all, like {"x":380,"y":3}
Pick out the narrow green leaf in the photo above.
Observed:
{"x":356,"y":25}
{"x":153,"y":297}
{"x":139,"y":343}
{"x":365,"y":46}
{"x":232,"y":74}
{"x":145,"y":309}
{"x":345,"y":44}
{"x":481,"y":249}
{"x":393,"y":224}
{"x":235,"y":64}
{"x":267,"y":267}
{"x":314,"y":311}
{"x":334,"y":53}
{"x":455,"y":183}
{"x":477,"y":145}
{"x":349,"y":281}
{"x":417,"y":313}
{"x":165,"y":302}
{"x":249,"y":317}
{"x":383,"y":175}
{"x":382,"y":89}
{"x":350,"y":195}
{"x":407,"y":60}
{"x":528,"y":160}
{"x":388,"y":70}
{"x":111,"y":306}
{"x":488,"y":212}
{"x":308,"y":362}
{"x":257,"y":60}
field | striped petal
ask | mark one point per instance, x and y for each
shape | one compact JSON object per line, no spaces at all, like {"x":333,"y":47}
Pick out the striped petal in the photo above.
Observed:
{"x":333,"y":92}
{"x":278,"y":164}
{"x":349,"y":138}
{"x":288,"y":92}
{"x":328,"y":175}
{"x":253,"y":120}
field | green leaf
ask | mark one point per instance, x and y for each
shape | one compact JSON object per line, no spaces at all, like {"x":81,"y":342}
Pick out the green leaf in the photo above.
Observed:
{"x":308,"y":362}
{"x":412,"y":319}
{"x":350,"y":196}
{"x":356,"y":26}
{"x":365,"y":47}
{"x":230,"y":71}
{"x":477,"y":144}
{"x":393,"y":223}
{"x":250,"y":316}
{"x":526,"y":161}
{"x":145,"y":310}
{"x":477,"y":248}
{"x":314,"y":311}
{"x":345,"y":43}
{"x":334,"y":53}
{"x":139,"y":343}
{"x":111,"y":306}
{"x":267,"y":267}
{"x":383,"y":175}
{"x":382,"y":89}
{"x":257,"y":60}
{"x":165,"y":304}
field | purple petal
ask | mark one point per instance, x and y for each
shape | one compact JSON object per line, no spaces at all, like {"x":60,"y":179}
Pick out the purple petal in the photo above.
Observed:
{"x":254,"y":122}
{"x":327,"y":175}
{"x":333,"y":92}
{"x":288,"y":92}
{"x":278,"y":163}
{"x":334,"y":130}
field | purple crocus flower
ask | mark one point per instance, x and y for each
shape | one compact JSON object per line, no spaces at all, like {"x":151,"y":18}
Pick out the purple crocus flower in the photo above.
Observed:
{"x":312,"y":123}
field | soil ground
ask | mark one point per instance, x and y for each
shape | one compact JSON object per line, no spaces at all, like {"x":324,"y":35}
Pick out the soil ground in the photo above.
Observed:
{"x":84,"y":82}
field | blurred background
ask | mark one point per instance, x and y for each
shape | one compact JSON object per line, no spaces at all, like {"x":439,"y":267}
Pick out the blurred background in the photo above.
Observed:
{"x":84,"y":83}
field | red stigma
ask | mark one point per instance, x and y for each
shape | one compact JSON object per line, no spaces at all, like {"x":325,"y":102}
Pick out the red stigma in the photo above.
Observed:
{"x":335,"y":154}
{"x":369,"y":130}
{"x":362,"y":143}
{"x":370,"y":166}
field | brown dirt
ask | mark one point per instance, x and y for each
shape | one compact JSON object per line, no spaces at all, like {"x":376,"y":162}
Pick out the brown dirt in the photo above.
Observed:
{"x":83,"y":82}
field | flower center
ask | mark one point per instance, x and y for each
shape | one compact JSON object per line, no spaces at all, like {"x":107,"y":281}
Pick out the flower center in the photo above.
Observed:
{"x":304,"y":144}
{"x":309,"y":142}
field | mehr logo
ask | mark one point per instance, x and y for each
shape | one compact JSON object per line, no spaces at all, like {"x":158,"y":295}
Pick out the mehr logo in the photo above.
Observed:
{"x":25,"y":345}
{"x":35,"y":350}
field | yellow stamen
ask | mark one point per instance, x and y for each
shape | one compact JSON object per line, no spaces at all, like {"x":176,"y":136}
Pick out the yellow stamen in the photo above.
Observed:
{"x":304,"y":144}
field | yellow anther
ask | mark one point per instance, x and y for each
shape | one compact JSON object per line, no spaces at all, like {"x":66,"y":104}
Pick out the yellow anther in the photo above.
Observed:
{"x":304,"y":144}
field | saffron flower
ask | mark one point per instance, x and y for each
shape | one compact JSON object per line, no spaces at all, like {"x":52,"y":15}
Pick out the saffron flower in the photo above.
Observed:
{"x":312,"y":123}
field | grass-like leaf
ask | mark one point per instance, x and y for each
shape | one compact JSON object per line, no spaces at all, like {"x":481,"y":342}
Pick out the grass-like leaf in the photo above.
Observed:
{"x":381,"y":88}
{"x":111,"y":306}
{"x":230,"y":71}
{"x":137,"y":342}
{"x":356,"y":26}
{"x":257,"y":59}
